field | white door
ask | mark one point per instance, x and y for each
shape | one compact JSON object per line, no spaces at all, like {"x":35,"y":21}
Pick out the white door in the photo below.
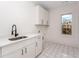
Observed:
{"x":45,"y":17}
{"x":39,"y":15}
{"x":30,"y":51}
{"x":42,"y":15}
{"x":38,"y":45}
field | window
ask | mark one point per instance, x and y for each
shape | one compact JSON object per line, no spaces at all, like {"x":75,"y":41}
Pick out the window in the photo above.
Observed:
{"x":67,"y":24}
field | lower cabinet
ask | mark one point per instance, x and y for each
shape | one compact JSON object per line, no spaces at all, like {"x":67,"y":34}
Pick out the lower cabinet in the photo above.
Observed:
{"x":38,"y":45}
{"x":27,"y":51}
{"x":15,"y":54}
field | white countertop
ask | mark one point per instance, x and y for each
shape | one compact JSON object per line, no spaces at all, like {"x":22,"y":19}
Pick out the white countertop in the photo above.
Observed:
{"x":6,"y":41}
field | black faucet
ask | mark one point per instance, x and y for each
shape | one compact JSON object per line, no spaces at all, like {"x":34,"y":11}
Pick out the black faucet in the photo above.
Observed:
{"x":15,"y":34}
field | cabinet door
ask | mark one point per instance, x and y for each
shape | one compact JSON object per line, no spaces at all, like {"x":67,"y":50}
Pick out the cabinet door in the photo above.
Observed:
{"x":45,"y":17}
{"x":41,"y":15}
{"x":25,"y":52}
{"x":30,"y":51}
{"x":38,"y":45}
{"x":15,"y":54}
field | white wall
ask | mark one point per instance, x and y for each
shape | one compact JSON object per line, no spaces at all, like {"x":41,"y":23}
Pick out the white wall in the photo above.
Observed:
{"x":20,"y":13}
{"x":54,"y":30}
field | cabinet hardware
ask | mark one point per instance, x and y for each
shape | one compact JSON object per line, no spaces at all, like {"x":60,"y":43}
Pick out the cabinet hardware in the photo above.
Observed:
{"x":42,"y":37}
{"x":42,"y":21}
{"x":25,"y":50}
{"x":22,"y":51}
{"x":36,"y":43}
{"x":47,"y":22}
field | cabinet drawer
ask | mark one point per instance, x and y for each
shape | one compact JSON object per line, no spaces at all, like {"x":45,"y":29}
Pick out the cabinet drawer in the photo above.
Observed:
{"x":12,"y":47}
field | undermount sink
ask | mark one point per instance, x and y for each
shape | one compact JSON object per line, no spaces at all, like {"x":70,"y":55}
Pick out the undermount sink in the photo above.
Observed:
{"x":17,"y":38}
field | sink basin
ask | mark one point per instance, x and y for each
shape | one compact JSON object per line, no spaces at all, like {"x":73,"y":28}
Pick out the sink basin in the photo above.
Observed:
{"x":17,"y":38}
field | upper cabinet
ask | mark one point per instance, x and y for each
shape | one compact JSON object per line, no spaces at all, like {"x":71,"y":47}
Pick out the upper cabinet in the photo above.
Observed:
{"x":41,"y":16}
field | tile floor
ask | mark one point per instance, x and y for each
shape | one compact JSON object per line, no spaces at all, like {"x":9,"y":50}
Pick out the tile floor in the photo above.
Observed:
{"x":54,"y":50}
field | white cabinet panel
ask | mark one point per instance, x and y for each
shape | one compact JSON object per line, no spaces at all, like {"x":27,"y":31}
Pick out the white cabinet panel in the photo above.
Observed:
{"x":45,"y":17}
{"x":30,"y":51}
{"x":15,"y":54}
{"x":12,"y":47}
{"x":25,"y":52}
{"x":38,"y":45}
{"x":25,"y":49}
{"x":41,"y":16}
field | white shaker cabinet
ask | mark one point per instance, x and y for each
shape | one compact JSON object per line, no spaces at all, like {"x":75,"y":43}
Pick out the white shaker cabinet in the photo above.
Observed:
{"x":28,"y":48}
{"x":39,"y":45}
{"x":24,"y":49}
{"x":41,"y":16}
{"x":25,"y":52}
{"x":29,"y":51}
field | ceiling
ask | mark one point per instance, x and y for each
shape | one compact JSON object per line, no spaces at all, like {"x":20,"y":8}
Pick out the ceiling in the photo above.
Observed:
{"x":55,"y":4}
